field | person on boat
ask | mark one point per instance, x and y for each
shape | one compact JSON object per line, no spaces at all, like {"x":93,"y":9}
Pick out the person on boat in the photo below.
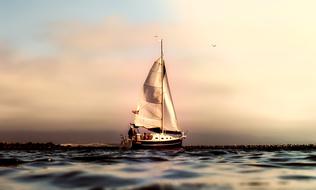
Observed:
{"x":130,"y":132}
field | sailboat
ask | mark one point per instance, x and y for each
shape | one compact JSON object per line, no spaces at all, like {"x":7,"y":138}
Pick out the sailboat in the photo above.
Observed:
{"x":155,"y":122}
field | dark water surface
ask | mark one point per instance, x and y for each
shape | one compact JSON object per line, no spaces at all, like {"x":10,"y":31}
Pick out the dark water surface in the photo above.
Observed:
{"x":164,"y":169}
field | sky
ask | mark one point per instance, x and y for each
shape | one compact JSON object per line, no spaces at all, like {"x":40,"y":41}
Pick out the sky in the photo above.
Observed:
{"x":71,"y":71}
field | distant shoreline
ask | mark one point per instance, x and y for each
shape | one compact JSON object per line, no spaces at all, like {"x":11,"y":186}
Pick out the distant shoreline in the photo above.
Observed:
{"x":52,"y":146}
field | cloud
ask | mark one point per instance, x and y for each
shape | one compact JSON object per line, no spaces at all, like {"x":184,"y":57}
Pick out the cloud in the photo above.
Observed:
{"x":57,"y":88}
{"x":258,"y":78}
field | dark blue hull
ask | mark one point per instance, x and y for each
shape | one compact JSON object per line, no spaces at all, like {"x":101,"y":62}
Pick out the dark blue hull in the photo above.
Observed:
{"x":154,"y":144}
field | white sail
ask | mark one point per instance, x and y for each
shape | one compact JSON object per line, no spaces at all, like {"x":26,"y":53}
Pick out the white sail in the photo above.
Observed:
{"x":149,"y":112}
{"x":156,"y":109}
{"x":170,"y":122}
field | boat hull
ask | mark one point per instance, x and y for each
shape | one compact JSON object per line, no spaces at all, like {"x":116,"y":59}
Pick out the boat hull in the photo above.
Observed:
{"x":157,"y":144}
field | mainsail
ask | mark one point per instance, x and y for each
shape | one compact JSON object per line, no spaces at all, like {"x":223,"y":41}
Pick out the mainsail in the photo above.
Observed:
{"x":156,"y":109}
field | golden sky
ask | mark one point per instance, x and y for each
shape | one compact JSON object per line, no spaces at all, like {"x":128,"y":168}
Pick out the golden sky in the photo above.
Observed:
{"x":82,"y":67}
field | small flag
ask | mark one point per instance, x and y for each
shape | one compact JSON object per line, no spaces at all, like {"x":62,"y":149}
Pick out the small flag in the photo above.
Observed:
{"x":135,"y":111}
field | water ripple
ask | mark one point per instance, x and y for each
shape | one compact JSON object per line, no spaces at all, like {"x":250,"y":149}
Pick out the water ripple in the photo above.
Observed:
{"x":150,"y":169}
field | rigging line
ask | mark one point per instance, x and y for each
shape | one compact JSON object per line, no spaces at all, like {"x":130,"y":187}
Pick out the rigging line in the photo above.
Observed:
{"x":162,"y":75}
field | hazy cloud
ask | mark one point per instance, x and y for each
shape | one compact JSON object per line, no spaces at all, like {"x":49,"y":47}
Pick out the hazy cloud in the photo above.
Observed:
{"x":258,"y":80}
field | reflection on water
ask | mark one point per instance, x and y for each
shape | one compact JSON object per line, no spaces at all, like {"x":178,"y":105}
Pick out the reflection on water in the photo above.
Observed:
{"x":149,"y":169}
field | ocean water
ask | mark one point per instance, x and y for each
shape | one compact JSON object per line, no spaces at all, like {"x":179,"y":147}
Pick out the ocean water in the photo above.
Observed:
{"x":157,"y":169}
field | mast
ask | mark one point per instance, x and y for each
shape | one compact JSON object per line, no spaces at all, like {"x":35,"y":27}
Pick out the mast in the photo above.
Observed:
{"x":162,"y":75}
